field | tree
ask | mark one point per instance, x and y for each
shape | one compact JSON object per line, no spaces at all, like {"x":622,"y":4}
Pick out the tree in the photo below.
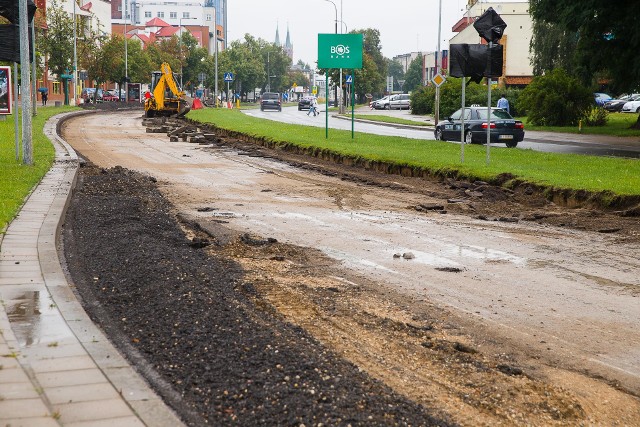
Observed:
{"x":551,"y":47}
{"x":109,"y":65}
{"x":608,"y":39}
{"x":193,"y":63}
{"x":394,"y":69}
{"x":57,"y":42}
{"x":413,"y":78}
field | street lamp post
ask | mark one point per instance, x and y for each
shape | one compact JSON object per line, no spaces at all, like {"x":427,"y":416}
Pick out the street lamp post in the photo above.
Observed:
{"x":338,"y":92}
{"x":438,"y":64}
{"x":126,"y":57}
{"x":180,"y":45}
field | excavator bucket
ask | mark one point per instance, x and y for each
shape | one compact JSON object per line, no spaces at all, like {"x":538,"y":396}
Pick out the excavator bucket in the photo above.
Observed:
{"x":184,"y":105}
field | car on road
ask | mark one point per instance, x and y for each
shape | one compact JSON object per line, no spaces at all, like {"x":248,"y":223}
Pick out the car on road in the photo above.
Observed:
{"x":382,"y":103}
{"x":616,"y":104}
{"x":631,"y":106}
{"x":601,"y":98}
{"x":400,"y":102}
{"x":270,"y":101}
{"x":305,"y":103}
{"x":502,"y":126}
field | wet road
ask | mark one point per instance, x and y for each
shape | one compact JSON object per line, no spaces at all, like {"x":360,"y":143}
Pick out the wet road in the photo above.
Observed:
{"x":568,"y":295}
{"x":538,"y":141}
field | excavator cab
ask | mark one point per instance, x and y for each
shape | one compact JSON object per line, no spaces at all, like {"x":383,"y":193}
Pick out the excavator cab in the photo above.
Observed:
{"x":167,"y":98}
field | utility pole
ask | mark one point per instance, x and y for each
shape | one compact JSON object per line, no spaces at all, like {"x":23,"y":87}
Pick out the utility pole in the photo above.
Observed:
{"x":438,"y":62}
{"x":25,"y":75}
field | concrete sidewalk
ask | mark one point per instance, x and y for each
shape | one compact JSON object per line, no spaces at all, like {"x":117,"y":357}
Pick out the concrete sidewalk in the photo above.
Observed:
{"x":56,"y":367}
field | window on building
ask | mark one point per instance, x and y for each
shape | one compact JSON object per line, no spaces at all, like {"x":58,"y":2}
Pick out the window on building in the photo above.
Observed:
{"x":160,"y":14}
{"x":209,"y":17}
{"x":185,"y":15}
{"x":120,"y":8}
{"x":147,"y":14}
{"x":173,"y":15}
{"x":55,"y":88}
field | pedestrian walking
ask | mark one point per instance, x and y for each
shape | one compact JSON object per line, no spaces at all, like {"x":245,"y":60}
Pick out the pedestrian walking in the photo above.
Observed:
{"x":313,"y":107}
{"x":45,"y":97}
{"x":503,"y":103}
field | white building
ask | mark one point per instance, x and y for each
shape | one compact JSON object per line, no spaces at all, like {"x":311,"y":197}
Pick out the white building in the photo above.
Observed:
{"x":95,"y":12}
{"x":517,"y":68}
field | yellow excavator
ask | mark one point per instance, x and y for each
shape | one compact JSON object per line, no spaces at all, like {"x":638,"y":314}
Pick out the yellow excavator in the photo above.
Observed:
{"x":166,"y":98}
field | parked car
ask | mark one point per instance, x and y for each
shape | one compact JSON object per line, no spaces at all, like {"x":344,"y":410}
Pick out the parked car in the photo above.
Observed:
{"x":631,"y":107}
{"x":400,"y":102}
{"x":110,"y":96}
{"x":617,"y":103}
{"x":305,"y":103}
{"x":382,"y":103}
{"x":601,"y":98}
{"x":270,"y":101}
{"x":503,"y":127}
{"x":89,"y":95}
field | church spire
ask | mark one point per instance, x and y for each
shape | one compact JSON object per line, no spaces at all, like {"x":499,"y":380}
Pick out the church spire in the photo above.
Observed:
{"x":288,"y":42}
{"x":278,"y":36}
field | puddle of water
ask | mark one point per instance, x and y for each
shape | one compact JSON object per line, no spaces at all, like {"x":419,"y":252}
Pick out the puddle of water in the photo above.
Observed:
{"x":34,"y":318}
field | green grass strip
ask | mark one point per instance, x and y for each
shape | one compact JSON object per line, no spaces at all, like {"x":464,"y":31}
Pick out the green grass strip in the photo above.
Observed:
{"x":389,"y":119}
{"x":17,"y":180}
{"x":562,"y":171}
{"x":618,"y":124}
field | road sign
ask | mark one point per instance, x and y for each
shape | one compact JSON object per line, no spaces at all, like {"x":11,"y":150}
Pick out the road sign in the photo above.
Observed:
{"x":228,"y":77}
{"x":438,"y":79}
{"x":348,"y":79}
{"x":339,"y":51}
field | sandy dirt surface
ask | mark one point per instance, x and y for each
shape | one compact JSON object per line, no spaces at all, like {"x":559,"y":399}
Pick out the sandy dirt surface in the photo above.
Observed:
{"x":483,"y":304}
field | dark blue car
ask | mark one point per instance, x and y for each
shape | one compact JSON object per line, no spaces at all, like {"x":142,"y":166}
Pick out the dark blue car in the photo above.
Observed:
{"x":503,"y":128}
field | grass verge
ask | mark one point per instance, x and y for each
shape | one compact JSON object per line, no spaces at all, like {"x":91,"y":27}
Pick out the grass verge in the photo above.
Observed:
{"x":572,"y":172}
{"x":389,"y":119}
{"x":16,"y":179}
{"x":619,"y":124}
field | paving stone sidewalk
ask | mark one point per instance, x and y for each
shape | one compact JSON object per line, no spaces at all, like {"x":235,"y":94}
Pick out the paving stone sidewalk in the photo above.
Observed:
{"x":56,"y":367}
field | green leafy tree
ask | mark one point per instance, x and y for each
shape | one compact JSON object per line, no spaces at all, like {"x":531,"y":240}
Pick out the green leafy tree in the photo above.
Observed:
{"x":109,"y":65}
{"x":551,"y":47}
{"x":165,"y":50}
{"x":193,"y":62}
{"x":394,"y":69}
{"x":413,"y":78}
{"x":556,"y":99}
{"x":368,"y":79}
{"x":608,"y":40}
{"x":57,"y":42}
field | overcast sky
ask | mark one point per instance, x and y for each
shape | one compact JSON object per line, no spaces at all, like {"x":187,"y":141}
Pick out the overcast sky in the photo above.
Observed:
{"x":405,"y":25}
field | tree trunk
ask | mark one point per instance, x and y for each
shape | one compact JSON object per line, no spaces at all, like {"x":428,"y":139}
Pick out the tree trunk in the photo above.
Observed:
{"x":637,"y":124}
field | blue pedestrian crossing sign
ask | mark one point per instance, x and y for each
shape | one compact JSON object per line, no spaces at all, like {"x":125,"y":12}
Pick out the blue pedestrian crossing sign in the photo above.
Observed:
{"x":228,"y":77}
{"x":349,"y":79}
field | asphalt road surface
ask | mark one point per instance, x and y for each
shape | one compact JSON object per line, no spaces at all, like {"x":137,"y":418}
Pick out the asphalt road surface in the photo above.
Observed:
{"x":569,"y":294}
{"x":538,"y":141}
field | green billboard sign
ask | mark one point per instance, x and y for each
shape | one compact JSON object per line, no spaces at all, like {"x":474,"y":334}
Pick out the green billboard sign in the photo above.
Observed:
{"x":339,"y":51}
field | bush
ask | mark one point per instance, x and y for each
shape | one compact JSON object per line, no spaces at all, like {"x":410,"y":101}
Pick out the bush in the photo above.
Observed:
{"x":598,"y":116}
{"x":555,"y":99}
{"x":423,"y":100}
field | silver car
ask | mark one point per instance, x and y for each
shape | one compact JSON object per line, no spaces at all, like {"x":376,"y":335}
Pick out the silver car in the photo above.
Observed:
{"x":400,"y":102}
